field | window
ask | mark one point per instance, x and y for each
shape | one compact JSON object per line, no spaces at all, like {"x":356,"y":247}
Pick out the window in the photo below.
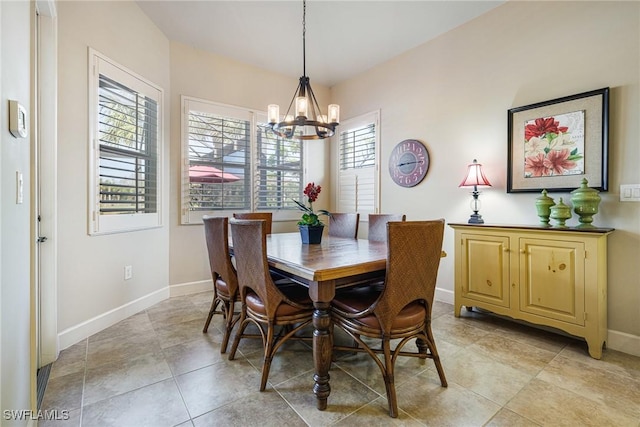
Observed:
{"x":358,"y":165}
{"x":231,"y":163}
{"x":125,"y":123}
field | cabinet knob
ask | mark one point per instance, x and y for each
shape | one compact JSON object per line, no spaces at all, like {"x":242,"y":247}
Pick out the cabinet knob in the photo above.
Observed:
{"x":506,"y":249}
{"x":513,"y":285}
{"x":522,"y":251}
{"x":489,"y":282}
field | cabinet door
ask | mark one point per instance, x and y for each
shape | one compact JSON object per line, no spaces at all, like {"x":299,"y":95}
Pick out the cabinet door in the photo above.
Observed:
{"x":552,"y":279}
{"x":485,"y":268}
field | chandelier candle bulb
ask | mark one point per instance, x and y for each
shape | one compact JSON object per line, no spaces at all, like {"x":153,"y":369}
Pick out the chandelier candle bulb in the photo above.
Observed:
{"x":273,"y":113}
{"x":301,"y":107}
{"x":334,"y":113}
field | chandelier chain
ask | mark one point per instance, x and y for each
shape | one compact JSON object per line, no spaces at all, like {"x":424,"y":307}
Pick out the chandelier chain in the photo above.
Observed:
{"x":304,"y":37}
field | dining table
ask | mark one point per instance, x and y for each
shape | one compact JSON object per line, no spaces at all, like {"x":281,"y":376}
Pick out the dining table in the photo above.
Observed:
{"x":335,"y":263}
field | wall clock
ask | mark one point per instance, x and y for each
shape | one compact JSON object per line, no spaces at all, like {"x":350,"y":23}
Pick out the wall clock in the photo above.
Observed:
{"x":409,"y":163}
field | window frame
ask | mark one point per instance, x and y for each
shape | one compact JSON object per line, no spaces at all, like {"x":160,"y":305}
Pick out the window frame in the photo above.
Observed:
{"x":98,"y":223}
{"x":189,"y":217}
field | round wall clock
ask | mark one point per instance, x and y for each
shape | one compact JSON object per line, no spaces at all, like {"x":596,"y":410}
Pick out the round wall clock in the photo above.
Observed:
{"x":409,"y":163}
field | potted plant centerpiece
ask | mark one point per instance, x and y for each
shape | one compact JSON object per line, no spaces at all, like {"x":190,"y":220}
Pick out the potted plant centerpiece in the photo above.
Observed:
{"x":310,"y":226}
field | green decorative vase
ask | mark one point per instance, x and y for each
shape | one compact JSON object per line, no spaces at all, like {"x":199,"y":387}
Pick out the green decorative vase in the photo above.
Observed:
{"x":585,"y":202}
{"x":560,"y":213}
{"x":311,"y":234}
{"x":543,"y":206}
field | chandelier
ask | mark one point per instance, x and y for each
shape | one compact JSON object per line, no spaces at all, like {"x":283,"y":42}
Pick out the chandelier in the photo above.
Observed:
{"x":304,"y":119}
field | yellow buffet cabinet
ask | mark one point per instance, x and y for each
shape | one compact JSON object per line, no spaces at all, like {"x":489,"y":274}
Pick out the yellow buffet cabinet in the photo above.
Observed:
{"x":554,"y":277}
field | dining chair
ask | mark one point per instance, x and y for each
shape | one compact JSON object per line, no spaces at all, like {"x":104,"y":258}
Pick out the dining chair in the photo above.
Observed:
{"x":402,"y":309}
{"x":344,"y":225}
{"x":263,"y":303}
{"x":223,"y":273}
{"x":266,"y":216}
{"x":378,"y":225}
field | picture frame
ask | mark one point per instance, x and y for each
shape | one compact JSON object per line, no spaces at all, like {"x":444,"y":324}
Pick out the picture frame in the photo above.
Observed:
{"x":554,"y":144}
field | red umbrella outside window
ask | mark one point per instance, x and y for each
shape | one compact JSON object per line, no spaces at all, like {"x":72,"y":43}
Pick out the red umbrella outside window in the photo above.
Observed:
{"x":210,"y":175}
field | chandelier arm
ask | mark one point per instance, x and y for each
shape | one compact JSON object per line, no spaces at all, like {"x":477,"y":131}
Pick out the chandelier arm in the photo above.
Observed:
{"x":314,"y":105}
{"x":293,"y":100}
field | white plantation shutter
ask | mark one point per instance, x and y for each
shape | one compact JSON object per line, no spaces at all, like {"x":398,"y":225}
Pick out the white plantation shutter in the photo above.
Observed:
{"x":126,"y":131}
{"x":358,"y":165}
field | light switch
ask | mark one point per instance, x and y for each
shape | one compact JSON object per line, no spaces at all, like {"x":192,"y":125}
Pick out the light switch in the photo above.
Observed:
{"x":630,"y":193}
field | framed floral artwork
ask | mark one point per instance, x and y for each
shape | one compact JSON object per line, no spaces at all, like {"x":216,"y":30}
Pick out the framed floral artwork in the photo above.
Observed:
{"x":554,"y":144}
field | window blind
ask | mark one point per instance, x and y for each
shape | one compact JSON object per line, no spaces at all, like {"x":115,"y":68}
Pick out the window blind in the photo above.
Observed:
{"x":128,"y":140}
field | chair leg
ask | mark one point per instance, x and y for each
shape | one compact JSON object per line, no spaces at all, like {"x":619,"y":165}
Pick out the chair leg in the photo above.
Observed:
{"x":435,"y":356}
{"x":229,"y":324}
{"x":389,"y":381}
{"x":243,"y":325}
{"x":268,"y":356}
{"x":214,"y":305}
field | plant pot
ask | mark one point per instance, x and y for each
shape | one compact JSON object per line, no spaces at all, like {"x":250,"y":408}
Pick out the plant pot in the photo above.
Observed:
{"x":311,"y":234}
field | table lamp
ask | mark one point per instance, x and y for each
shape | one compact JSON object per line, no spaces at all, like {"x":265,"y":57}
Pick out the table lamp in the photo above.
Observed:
{"x":475,"y":178}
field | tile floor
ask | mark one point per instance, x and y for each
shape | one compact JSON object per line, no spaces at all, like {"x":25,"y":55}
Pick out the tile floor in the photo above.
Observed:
{"x":157,"y":368}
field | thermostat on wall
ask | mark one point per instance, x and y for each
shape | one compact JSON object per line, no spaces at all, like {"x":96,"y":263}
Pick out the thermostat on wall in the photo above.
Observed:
{"x":17,"y":120}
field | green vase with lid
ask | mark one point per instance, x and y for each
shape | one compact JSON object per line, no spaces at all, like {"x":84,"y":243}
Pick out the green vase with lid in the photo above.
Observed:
{"x":560,"y":213}
{"x":543,"y":206}
{"x":585,"y":202}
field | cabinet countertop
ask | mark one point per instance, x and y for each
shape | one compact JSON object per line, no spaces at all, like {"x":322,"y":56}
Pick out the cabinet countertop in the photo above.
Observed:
{"x":599,"y":230}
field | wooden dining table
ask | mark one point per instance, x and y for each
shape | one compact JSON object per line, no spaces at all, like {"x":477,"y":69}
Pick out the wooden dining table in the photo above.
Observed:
{"x":335,"y":263}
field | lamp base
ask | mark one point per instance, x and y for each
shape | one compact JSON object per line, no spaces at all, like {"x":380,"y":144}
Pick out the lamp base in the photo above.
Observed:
{"x":476,"y":218}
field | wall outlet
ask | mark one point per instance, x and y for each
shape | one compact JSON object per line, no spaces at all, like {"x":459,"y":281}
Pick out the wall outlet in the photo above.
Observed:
{"x":128,"y":272}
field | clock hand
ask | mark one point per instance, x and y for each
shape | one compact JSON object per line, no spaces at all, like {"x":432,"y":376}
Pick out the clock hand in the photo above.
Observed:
{"x":409,"y":163}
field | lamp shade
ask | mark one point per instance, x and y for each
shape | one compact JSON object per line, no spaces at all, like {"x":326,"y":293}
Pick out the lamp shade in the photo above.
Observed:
{"x":475,"y":176}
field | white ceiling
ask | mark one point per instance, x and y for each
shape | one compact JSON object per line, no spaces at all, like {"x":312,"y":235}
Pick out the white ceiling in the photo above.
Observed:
{"x":343,"y":38}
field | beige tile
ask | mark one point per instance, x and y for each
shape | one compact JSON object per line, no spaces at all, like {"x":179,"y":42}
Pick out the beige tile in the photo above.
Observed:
{"x":183,"y":358}
{"x":112,"y":379}
{"x":211,"y":387}
{"x":117,"y":348}
{"x":347,"y":396}
{"x":376,"y":414}
{"x":533,"y":336}
{"x":615,"y":391}
{"x":424,"y":399}
{"x":507,"y":418}
{"x":158,"y":404}
{"x":136,"y":324}
{"x":71,"y":360}
{"x":456,"y":331}
{"x":170,"y":334}
{"x":518,"y":355}
{"x":550,"y":405}
{"x":486,"y":376}
{"x":612,"y":361}
{"x":292,"y":359}
{"x":64,"y":392}
{"x":265,"y":408}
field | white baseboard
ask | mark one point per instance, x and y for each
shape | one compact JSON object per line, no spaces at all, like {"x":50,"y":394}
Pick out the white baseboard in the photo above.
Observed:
{"x":190,"y":288}
{"x":444,"y":295}
{"x":626,"y":343}
{"x":77,"y":333}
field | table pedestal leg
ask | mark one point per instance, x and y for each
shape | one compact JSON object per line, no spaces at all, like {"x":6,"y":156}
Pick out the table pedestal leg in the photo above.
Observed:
{"x":322,"y":351}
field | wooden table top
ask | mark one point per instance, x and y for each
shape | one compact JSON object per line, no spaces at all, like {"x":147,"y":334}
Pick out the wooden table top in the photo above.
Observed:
{"x":334,"y":258}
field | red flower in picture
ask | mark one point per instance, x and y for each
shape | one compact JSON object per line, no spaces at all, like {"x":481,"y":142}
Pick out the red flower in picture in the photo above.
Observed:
{"x":535,"y":165}
{"x":557,"y":161}
{"x":540,"y":127}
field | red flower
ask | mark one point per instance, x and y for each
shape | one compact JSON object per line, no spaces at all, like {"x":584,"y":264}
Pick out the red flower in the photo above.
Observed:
{"x":312,"y":191}
{"x":543,"y":126}
{"x":557,"y":162}
{"x":535,"y":165}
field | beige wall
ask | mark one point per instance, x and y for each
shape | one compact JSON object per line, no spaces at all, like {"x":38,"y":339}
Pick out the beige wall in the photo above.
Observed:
{"x":90,"y":268}
{"x":453,"y":94}
{"x":218,"y":79}
{"x":15,"y":285}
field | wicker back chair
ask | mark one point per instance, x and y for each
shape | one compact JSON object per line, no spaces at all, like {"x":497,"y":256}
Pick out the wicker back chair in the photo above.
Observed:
{"x":267,"y":217}
{"x":225,"y":280}
{"x":378,"y":225}
{"x":264,"y":304}
{"x":402,"y":310}
{"x":344,"y":225}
